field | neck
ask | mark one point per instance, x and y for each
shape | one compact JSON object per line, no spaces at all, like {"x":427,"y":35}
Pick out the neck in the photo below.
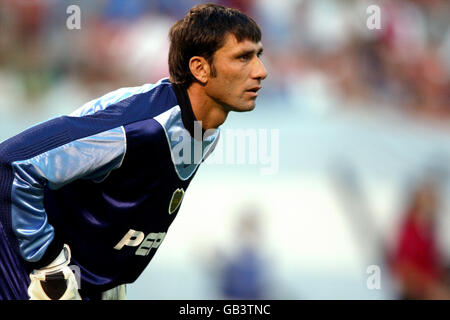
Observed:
{"x":205,"y":109}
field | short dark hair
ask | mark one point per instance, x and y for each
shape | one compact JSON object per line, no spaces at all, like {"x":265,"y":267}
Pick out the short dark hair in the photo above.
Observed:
{"x":202,"y":32}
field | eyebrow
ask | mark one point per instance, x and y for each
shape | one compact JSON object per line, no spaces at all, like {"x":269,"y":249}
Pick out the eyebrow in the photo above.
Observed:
{"x":245,"y":52}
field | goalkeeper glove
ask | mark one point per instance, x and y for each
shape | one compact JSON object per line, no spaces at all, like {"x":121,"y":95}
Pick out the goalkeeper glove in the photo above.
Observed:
{"x":55,"y":281}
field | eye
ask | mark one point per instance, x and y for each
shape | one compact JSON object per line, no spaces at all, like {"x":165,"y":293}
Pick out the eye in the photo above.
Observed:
{"x":245,"y":57}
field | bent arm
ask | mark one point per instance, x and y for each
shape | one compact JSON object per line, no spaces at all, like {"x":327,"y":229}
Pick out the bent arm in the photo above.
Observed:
{"x":90,"y":157}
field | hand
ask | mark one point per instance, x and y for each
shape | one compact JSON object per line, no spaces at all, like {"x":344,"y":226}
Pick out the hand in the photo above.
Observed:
{"x":56,"y":281}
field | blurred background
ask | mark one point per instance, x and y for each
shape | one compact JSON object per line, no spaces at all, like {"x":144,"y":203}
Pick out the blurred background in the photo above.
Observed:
{"x":358,"y":206}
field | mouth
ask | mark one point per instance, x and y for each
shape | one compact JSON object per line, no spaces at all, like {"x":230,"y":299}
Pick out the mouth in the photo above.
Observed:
{"x":253,"y":91}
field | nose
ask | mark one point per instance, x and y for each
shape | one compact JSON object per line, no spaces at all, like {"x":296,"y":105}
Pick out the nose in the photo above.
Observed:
{"x":260,"y":71}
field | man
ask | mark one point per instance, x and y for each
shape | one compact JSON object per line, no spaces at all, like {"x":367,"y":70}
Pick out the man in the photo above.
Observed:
{"x":96,"y":191}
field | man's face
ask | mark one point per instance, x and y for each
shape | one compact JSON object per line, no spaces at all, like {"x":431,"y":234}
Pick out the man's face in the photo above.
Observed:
{"x":238,"y":74}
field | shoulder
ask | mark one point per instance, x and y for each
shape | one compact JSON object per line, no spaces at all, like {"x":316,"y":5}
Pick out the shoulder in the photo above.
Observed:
{"x":113,"y":110}
{"x":145,"y":101}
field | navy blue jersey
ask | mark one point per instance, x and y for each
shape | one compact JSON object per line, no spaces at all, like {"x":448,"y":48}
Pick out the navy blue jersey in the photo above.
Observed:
{"x":108,"y":180}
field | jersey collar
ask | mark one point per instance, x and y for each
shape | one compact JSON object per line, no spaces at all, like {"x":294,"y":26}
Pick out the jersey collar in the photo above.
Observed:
{"x":187,"y":114}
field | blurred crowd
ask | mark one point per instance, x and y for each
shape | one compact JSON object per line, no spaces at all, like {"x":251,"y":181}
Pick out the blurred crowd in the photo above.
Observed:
{"x":320,"y":54}
{"x":327,"y":49}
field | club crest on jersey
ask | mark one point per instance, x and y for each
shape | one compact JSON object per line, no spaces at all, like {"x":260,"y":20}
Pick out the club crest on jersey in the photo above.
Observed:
{"x":175,"y":202}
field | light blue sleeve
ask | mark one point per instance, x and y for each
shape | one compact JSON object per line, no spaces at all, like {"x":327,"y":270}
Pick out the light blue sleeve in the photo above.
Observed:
{"x":92,"y":157}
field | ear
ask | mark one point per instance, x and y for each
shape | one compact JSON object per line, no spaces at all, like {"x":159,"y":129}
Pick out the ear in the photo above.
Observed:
{"x":200,"y":69}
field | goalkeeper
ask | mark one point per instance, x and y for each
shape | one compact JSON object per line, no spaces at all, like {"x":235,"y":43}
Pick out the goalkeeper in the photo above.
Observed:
{"x":95,"y":191}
